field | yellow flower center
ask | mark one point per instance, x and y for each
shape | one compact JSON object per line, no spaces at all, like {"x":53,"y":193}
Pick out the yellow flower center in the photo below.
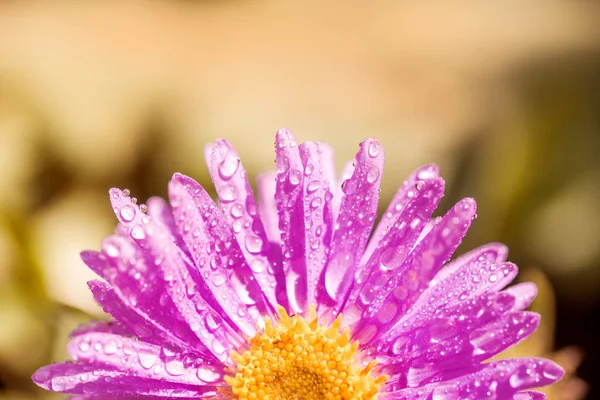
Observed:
{"x":302,"y":360}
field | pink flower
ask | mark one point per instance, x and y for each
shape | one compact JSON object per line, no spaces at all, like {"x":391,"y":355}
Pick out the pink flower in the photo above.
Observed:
{"x":296,"y":298}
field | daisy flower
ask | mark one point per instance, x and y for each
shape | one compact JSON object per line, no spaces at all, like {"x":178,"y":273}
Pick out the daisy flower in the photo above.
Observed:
{"x":294,"y":297}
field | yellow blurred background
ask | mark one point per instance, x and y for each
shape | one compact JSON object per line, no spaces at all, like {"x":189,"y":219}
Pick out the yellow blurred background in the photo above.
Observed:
{"x":504,"y":96}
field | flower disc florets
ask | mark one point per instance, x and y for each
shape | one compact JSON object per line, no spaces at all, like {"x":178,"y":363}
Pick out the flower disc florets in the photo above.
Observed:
{"x":299,"y":359}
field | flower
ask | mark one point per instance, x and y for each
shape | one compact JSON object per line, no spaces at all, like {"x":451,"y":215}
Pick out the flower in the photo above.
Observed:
{"x":289,"y":299}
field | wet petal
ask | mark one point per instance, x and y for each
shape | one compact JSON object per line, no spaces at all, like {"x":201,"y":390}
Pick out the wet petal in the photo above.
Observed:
{"x":352,"y":227}
{"x":390,"y":254}
{"x":290,"y":207}
{"x":406,"y":283}
{"x":216,"y":254}
{"x":500,"y":379}
{"x":318,"y":220}
{"x":180,"y":285}
{"x":241,"y":212}
{"x":524,"y":294}
{"x":144,"y":360}
{"x":78,"y":378}
{"x":400,"y":200}
{"x":267,"y":209}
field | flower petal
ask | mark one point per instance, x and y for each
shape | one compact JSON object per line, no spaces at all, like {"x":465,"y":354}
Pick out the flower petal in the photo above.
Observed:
{"x":267,"y":209}
{"x":390,"y":254}
{"x":178,"y":280}
{"x":524,"y":294}
{"x":133,"y":301}
{"x":240,"y":210}
{"x":406,"y":283}
{"x":144,"y":360}
{"x":498,"y":251}
{"x":352,"y":228}
{"x":216,"y":254}
{"x":400,"y":200}
{"x":91,"y":379}
{"x":318,"y":219}
{"x":500,"y":379}
{"x":290,"y":207}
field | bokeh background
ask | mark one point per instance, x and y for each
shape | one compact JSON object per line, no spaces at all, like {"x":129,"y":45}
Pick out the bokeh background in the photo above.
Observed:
{"x":504,"y":96}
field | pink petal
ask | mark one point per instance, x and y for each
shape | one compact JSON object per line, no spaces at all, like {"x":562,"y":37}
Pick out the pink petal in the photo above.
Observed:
{"x":216,"y":254}
{"x":391,"y":252}
{"x":288,"y":196}
{"x":402,"y":197}
{"x":500,"y":379}
{"x":133,"y":301}
{"x":230,"y":178}
{"x":77,"y":378}
{"x":144,"y":360}
{"x":352,"y":228}
{"x":316,"y":196}
{"x":266,"y":205}
{"x":524,"y":294}
{"x":406,"y":283}
{"x":180,"y":280}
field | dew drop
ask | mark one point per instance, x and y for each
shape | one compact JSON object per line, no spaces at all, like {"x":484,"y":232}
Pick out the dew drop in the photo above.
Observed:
{"x":349,"y":186}
{"x":313,"y":186}
{"x":147,"y":360}
{"x":229,"y":166}
{"x":228,"y":194}
{"x":127,"y":213}
{"x":217,"y":279}
{"x":374,"y":149}
{"x":207,"y":375}
{"x":316,"y":202}
{"x":253,"y":243}
{"x":257,"y":266}
{"x":138,"y":233}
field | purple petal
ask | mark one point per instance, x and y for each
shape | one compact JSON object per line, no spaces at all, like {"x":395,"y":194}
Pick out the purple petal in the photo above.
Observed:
{"x":402,"y":197}
{"x":406,"y":283}
{"x":267,"y":208}
{"x":498,"y":251}
{"x":529,"y":395}
{"x":289,"y":191}
{"x":501,"y":379}
{"x":180,"y":281}
{"x":337,"y":191}
{"x":77,"y":378}
{"x":318,"y":219}
{"x":390,"y":254}
{"x":240,"y":210}
{"x":216,"y":254}
{"x":352,"y":228}
{"x":144,"y":360}
{"x":137,"y":322}
{"x":120,"y":264}
{"x":524,"y":294}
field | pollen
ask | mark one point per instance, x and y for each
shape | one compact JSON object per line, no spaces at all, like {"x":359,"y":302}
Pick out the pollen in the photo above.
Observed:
{"x":299,"y":359}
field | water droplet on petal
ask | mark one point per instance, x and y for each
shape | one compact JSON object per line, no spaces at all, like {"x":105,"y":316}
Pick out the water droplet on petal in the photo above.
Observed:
{"x":127,"y":213}
{"x":229,"y":166}
{"x":138,"y":233}
{"x":373,"y":174}
{"x":253,"y":243}
{"x":349,"y":187}
{"x":228,"y":194}
{"x":374,"y":149}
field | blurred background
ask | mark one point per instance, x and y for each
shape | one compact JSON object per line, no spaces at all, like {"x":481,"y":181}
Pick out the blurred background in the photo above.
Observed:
{"x":504,"y":96}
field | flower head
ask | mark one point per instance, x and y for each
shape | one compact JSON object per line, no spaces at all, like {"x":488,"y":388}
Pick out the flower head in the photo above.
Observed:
{"x":295,"y":297}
